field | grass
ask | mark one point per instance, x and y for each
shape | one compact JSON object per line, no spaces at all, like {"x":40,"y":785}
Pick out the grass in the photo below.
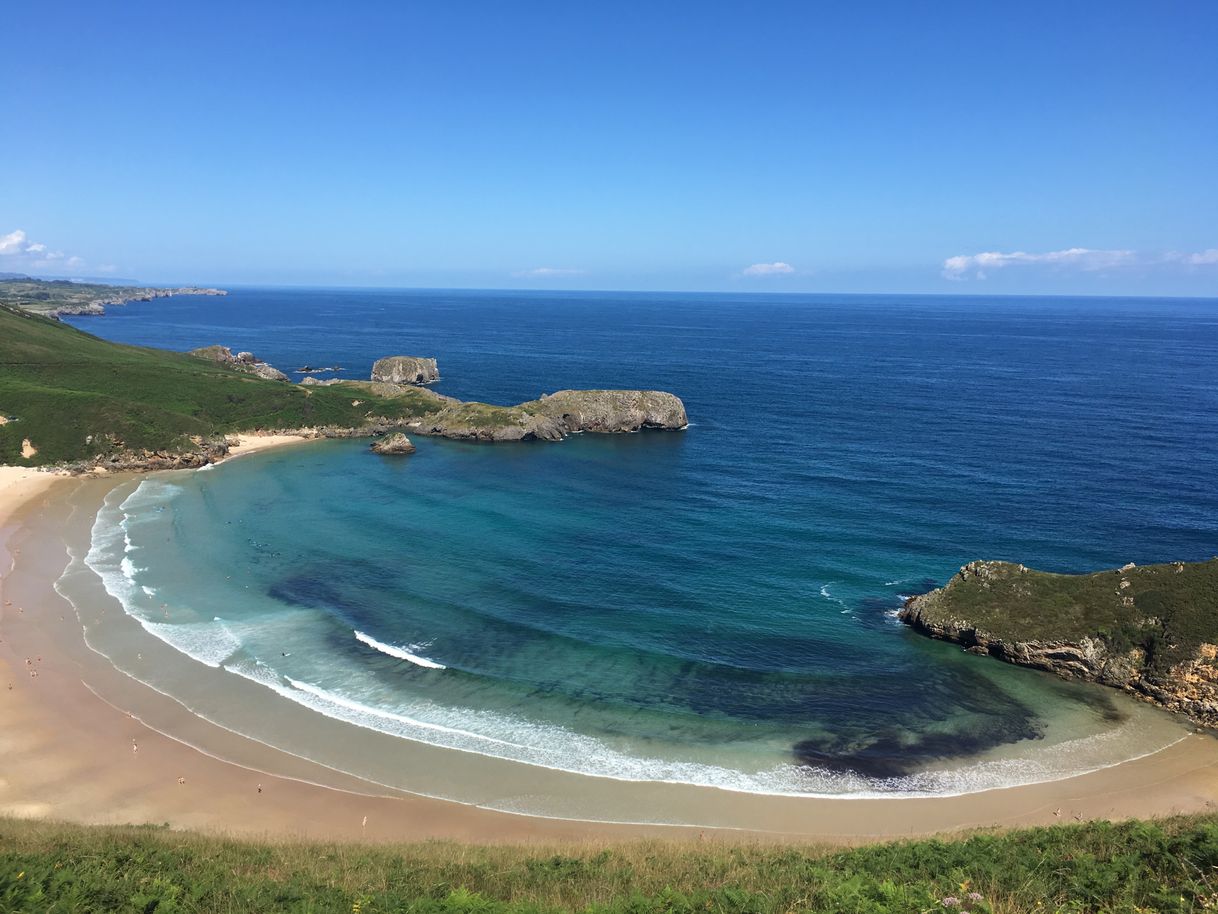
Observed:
{"x":77,"y":397}
{"x":1166,"y":866}
{"x":1167,"y":610}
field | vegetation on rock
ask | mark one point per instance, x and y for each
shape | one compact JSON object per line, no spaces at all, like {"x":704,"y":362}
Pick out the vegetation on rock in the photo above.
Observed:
{"x":1150,"y":630}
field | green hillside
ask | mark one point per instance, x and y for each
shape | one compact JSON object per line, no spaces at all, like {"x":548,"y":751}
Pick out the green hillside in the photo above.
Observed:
{"x":76,"y":397}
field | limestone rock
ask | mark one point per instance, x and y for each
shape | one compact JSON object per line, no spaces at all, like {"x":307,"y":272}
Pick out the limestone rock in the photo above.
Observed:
{"x":397,"y":443}
{"x":998,"y":609}
{"x":483,"y":422}
{"x":242,"y":361}
{"x":555,"y":416}
{"x":611,"y":410}
{"x":405,"y":369}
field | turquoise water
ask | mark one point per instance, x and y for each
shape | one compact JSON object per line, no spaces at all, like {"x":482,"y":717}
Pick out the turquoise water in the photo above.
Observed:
{"x":713,"y":606}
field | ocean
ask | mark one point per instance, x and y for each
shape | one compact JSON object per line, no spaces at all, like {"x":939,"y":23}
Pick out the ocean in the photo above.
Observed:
{"x":713,"y":606}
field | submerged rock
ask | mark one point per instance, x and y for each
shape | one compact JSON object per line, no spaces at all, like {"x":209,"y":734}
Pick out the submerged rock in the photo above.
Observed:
{"x":405,"y":369}
{"x":397,"y":443}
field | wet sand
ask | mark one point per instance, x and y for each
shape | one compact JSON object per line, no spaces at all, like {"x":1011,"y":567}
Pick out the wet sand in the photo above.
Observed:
{"x":83,"y":742}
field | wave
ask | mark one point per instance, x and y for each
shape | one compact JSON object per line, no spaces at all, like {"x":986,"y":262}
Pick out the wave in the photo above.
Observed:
{"x":210,"y":643}
{"x":828,"y":596}
{"x":555,"y":748}
{"x":398,"y":652}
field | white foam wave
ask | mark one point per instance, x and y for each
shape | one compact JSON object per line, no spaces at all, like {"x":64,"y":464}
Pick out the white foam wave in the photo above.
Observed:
{"x":398,"y":652}
{"x":109,"y":557}
{"x":556,"y":748}
{"x":827,"y":594}
{"x":210,"y":643}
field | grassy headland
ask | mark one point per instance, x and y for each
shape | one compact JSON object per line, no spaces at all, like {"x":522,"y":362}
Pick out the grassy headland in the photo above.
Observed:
{"x":1151,"y":630}
{"x":1168,"y":866}
{"x":68,"y":397}
{"x":75,"y":397}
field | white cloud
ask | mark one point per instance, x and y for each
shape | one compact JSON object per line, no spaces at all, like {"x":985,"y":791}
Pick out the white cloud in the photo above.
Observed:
{"x":13,"y":243}
{"x":18,"y":251}
{"x":776,"y":268}
{"x":546,"y":273}
{"x":1199,"y":259}
{"x":1085,"y":259}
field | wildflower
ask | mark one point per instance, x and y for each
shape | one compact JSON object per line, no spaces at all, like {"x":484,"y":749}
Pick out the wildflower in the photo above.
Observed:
{"x":974,"y":896}
{"x":951,"y":901}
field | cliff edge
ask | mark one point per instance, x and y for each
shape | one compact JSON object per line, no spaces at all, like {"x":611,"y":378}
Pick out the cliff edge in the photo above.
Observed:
{"x":1151,"y":631}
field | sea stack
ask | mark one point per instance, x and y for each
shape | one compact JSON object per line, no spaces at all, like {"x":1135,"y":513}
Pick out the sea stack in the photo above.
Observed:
{"x":405,"y":369}
{"x":397,"y":443}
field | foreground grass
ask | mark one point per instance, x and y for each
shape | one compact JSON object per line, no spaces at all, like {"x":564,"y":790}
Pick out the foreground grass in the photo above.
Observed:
{"x":1167,"y":866}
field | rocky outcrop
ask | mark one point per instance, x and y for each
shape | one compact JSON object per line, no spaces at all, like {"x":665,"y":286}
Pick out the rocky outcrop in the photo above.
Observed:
{"x":555,"y":416}
{"x":242,"y":361}
{"x":396,"y":443}
{"x":200,"y":452}
{"x":405,"y":369}
{"x":609,"y":411}
{"x":483,"y":422}
{"x":1090,"y":627}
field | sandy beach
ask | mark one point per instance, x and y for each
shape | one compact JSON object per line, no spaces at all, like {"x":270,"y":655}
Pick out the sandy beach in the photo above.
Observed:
{"x":83,"y":742}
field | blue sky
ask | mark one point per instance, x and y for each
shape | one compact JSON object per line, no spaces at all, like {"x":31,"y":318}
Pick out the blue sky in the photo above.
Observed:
{"x":921,"y":147}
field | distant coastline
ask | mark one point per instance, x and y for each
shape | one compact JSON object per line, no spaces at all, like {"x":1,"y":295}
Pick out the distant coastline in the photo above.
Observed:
{"x":55,"y":297}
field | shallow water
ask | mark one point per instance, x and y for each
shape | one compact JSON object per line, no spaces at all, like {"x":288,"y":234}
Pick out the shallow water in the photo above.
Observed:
{"x":712,"y":606}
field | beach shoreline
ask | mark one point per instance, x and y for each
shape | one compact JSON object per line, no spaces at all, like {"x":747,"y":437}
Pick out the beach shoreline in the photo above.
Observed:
{"x":83,"y":742}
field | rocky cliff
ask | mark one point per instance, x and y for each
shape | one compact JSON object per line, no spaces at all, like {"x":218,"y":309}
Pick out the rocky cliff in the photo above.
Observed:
{"x":1151,"y":631}
{"x":611,"y":410}
{"x":242,"y":361}
{"x":405,"y":369}
{"x":553,"y":417}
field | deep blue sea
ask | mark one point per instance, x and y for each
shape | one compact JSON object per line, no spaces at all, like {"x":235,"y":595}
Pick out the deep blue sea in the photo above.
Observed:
{"x":713,"y":605}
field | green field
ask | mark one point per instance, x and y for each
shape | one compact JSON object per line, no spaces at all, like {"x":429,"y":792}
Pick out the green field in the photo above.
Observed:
{"x":76,"y":397}
{"x":1169,"y":866}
